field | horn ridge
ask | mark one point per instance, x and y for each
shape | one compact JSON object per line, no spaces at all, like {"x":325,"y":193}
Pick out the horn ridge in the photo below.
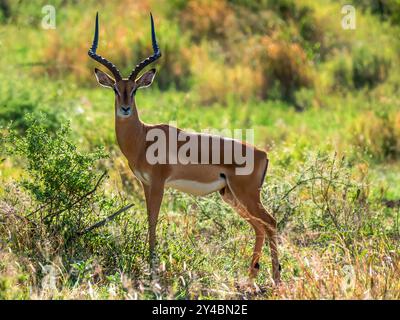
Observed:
{"x":156,"y":55}
{"x":92,"y":53}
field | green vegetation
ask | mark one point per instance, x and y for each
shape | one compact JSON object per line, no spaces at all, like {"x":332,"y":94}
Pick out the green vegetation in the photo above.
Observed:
{"x":324,"y":102}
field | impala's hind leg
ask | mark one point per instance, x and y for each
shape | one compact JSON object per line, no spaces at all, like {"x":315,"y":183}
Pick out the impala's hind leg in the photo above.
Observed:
{"x":247,"y":194}
{"x":259,"y":229}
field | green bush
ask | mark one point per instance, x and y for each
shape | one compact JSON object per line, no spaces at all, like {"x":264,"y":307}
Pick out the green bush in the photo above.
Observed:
{"x":369,"y":68}
{"x":62,"y":181}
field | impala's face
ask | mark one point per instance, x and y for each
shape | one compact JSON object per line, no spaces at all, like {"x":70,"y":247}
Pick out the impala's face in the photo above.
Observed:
{"x":125,"y":90}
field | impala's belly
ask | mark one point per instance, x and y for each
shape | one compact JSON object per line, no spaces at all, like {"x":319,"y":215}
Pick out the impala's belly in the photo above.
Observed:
{"x":195,"y":187}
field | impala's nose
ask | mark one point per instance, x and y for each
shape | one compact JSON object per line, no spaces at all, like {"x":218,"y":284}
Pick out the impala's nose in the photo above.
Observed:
{"x":124,"y":111}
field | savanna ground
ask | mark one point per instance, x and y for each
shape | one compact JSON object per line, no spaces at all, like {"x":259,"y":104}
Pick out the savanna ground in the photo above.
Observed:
{"x":323,"y":102}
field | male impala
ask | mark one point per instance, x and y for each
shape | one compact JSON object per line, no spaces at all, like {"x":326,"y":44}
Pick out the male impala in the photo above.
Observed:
{"x":240,"y":191}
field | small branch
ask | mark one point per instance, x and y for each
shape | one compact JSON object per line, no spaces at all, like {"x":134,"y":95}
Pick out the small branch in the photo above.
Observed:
{"x":79,"y":200}
{"x":104,"y":221}
{"x":25,"y":219}
{"x":51,"y":199}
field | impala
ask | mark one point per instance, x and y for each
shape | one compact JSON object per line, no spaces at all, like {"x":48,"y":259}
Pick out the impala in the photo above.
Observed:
{"x":240,"y":191}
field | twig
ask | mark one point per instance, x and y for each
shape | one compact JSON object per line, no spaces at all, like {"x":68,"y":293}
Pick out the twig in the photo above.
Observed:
{"x":104,"y":221}
{"x":79,"y":200}
{"x":51,"y":199}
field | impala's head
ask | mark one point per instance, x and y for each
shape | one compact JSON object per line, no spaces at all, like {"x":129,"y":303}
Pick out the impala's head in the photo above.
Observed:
{"x":124,"y":89}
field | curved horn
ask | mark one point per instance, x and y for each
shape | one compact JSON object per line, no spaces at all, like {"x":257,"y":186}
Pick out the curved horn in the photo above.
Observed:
{"x":92,"y":53}
{"x":157,"y":53}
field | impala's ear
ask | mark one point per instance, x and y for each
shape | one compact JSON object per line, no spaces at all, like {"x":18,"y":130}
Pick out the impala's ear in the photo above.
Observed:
{"x":146,"y":79}
{"x":103,"y":78}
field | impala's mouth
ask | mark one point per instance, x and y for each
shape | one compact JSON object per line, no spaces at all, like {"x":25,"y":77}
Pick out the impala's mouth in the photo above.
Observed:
{"x":124,"y":112}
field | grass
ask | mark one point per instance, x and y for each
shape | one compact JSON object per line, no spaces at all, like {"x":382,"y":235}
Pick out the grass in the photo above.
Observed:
{"x":331,"y":138}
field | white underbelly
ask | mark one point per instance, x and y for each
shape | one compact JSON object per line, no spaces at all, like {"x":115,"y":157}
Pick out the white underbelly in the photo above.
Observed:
{"x":196,"y":188}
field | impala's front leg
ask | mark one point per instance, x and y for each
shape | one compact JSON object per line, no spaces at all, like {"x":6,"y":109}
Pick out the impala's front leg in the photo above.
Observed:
{"x":154,"y":194}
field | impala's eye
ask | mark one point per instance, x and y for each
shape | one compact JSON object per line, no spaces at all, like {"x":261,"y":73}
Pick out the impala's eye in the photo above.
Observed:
{"x":116,"y":91}
{"x":133,"y":92}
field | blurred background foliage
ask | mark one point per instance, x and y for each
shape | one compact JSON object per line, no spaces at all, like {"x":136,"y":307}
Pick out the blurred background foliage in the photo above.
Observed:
{"x":269,"y":49}
{"x":324,"y":102}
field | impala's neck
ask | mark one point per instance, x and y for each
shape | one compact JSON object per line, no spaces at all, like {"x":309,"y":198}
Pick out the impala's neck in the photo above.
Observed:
{"x":130,"y":133}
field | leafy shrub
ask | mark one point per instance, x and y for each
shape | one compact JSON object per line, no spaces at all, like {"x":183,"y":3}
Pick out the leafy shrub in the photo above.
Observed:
{"x":62,"y":181}
{"x":368,"y":68}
